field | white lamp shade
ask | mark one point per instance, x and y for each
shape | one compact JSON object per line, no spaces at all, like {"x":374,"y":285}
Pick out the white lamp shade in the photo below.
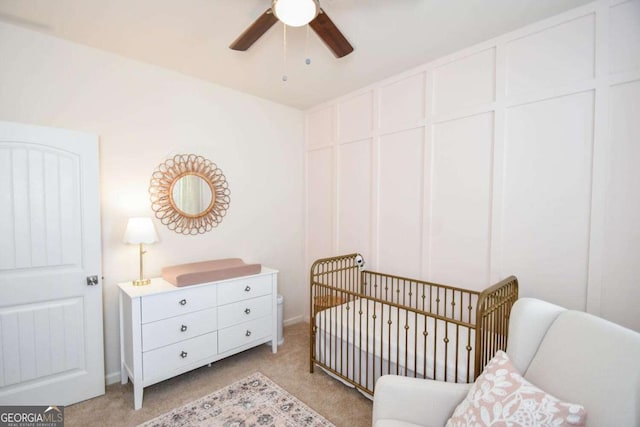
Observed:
{"x":140,"y":230}
{"x":295,"y":13}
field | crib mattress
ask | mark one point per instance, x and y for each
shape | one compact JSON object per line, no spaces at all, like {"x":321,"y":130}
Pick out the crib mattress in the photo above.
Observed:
{"x":363,"y":335}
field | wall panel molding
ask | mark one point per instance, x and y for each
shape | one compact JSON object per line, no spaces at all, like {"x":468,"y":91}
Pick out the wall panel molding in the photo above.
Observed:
{"x":522,"y":129}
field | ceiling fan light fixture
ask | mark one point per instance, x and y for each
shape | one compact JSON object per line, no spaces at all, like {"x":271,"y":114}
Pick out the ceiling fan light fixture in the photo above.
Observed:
{"x":295,"y":13}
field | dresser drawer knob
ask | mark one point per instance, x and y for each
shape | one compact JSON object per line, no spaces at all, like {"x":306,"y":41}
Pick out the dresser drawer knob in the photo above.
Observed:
{"x":247,"y":289}
{"x":183,"y":328}
{"x":183,"y":354}
{"x":248,"y":333}
{"x":183,"y":302}
{"x":247,"y":311}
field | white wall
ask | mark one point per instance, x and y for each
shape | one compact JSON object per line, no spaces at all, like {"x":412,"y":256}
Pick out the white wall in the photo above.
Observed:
{"x":144,"y":115}
{"x":516,"y":156}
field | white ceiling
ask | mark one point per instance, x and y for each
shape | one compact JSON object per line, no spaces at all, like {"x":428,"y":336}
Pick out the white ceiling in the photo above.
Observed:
{"x":192,"y":37}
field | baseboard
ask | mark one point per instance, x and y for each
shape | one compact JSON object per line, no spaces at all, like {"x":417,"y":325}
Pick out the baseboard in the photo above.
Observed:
{"x":112,"y":378}
{"x":293,"y":320}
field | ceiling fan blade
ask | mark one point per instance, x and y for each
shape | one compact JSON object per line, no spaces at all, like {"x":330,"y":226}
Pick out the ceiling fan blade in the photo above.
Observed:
{"x":331,"y":35}
{"x":255,"y":31}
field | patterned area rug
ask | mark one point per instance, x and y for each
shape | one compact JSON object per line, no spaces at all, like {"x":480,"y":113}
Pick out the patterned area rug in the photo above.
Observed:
{"x":252,"y":401}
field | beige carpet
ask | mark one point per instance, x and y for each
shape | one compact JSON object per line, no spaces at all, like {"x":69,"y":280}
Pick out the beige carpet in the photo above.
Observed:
{"x":251,"y":401}
{"x":289,"y":368}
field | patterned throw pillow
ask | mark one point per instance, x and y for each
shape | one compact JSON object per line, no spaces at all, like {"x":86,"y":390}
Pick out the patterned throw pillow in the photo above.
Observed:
{"x":502,"y":397}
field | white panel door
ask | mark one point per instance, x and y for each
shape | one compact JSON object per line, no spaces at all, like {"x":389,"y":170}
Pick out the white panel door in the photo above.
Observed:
{"x":51,"y":345}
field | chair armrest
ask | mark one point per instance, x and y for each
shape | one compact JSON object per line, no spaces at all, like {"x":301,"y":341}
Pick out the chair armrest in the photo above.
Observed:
{"x":417,"y":401}
{"x":526,"y":334}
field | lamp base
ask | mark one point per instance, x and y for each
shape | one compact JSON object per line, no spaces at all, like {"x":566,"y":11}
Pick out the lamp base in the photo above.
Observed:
{"x":141,"y":282}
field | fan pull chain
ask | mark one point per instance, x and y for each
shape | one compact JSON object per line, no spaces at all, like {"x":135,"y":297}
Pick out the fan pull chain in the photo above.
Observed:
{"x":284,"y":53}
{"x":307,"y":60}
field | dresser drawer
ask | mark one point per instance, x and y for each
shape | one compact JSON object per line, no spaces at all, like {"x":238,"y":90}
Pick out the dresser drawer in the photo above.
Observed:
{"x":170,"y":304}
{"x":165,"y":360}
{"x":244,"y":333}
{"x":237,"y":290}
{"x":243,"y":311}
{"x":179,"y":328}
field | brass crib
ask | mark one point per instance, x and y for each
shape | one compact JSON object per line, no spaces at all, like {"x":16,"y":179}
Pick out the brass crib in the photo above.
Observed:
{"x":366,"y":324}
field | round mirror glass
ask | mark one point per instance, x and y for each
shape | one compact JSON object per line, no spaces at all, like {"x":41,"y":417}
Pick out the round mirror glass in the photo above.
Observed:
{"x":192,"y":194}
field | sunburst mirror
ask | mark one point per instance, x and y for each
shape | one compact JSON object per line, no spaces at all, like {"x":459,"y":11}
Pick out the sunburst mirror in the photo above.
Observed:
{"x":189,"y":194}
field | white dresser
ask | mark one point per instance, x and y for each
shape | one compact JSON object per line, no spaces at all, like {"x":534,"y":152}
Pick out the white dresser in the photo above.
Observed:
{"x":167,"y":330}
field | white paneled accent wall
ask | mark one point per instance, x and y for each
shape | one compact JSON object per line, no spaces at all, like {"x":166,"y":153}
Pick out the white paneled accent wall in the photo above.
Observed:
{"x":400,"y":171}
{"x":516,"y":156}
{"x":461,"y":200}
{"x":547,"y":194}
{"x":354,"y":197}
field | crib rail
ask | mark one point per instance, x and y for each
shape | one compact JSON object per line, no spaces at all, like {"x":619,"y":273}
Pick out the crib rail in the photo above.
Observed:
{"x":341,"y":278}
{"x":365,"y":324}
{"x":439,"y":300}
{"x":334,"y":281}
{"x":492,"y":323}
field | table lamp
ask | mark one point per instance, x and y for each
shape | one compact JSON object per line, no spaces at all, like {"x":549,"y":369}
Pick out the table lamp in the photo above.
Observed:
{"x":140,"y":230}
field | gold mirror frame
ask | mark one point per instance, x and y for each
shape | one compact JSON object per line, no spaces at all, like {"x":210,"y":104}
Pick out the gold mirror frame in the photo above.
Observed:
{"x":165,"y":177}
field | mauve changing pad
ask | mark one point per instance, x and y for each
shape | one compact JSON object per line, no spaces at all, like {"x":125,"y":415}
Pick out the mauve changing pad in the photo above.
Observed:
{"x":208,"y":271}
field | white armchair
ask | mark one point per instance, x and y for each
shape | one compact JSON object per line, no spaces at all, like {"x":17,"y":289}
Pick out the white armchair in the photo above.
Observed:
{"x":572,"y":355}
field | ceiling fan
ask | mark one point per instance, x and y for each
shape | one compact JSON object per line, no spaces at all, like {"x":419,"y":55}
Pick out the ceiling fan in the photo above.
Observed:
{"x":296,"y":13}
